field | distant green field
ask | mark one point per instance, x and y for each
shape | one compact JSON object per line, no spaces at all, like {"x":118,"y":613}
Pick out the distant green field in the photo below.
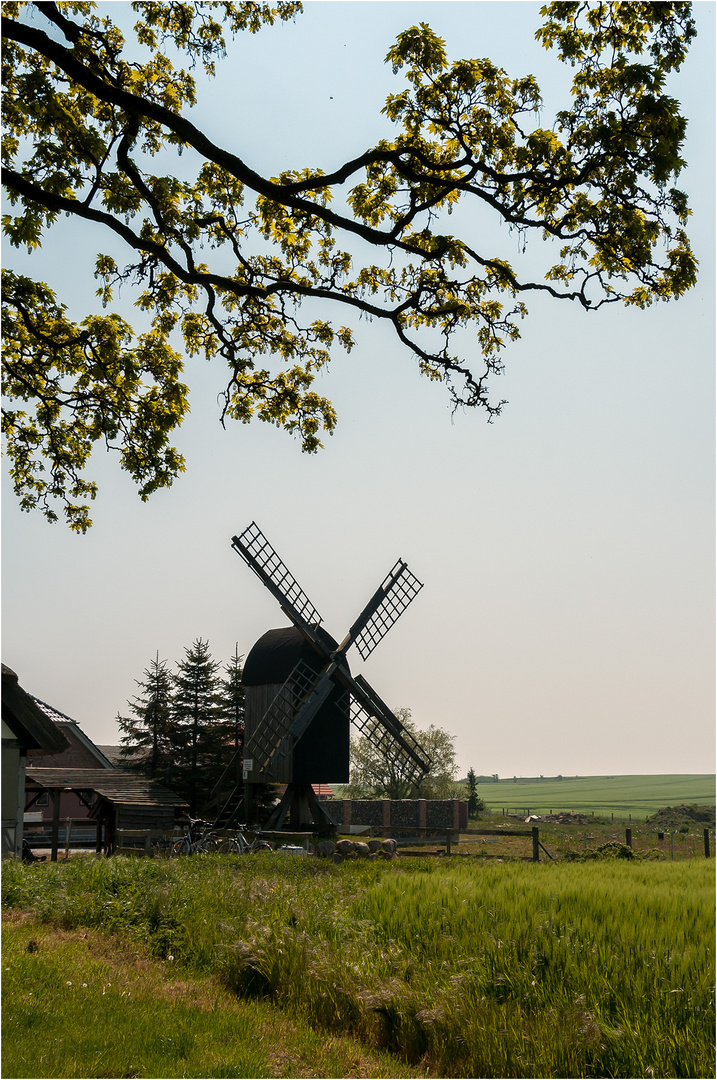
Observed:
{"x":618,"y":795}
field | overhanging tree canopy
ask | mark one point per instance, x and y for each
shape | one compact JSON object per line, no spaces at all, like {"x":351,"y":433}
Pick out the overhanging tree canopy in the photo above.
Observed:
{"x":224,"y":263}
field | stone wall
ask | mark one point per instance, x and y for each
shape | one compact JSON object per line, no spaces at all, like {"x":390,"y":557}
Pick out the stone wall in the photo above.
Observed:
{"x":407,"y":813}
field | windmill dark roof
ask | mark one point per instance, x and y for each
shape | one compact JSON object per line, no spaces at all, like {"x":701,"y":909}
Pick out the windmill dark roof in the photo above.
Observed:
{"x":274,"y":656}
{"x":29,"y":724}
{"x":115,"y":785}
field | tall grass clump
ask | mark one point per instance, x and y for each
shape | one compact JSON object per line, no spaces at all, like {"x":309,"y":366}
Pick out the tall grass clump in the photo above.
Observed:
{"x":473,"y":969}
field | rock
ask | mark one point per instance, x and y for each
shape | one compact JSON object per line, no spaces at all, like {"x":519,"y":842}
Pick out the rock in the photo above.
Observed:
{"x":324,"y":848}
{"x":361,"y":849}
{"x":345,"y":847}
{"x":389,"y":846}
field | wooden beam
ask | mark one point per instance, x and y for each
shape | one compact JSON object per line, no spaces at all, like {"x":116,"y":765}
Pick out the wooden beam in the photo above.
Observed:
{"x":55,"y":793}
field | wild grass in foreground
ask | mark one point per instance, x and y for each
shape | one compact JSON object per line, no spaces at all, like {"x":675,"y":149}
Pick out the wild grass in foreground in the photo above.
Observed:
{"x":77,"y":1004}
{"x":502,"y":970}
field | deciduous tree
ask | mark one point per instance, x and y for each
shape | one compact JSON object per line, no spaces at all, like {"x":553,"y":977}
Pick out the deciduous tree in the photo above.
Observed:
{"x":374,"y":774}
{"x":223,"y":263}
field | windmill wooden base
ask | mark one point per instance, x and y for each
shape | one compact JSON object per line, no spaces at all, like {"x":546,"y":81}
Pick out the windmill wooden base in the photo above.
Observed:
{"x":303,"y":810}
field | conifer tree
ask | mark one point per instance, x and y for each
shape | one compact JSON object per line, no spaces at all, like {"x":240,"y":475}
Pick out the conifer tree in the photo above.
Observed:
{"x":474,"y":803}
{"x":149,"y":734}
{"x":196,"y":711}
{"x":232,"y":698}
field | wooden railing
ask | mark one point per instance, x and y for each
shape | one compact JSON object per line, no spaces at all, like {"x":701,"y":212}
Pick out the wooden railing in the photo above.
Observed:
{"x":429,"y":836}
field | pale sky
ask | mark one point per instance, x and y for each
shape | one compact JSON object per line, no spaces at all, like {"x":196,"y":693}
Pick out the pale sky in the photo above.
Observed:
{"x":567,"y":549}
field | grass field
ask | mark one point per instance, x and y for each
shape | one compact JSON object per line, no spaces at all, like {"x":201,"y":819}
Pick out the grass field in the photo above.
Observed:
{"x":639,"y":796}
{"x":450,"y":967}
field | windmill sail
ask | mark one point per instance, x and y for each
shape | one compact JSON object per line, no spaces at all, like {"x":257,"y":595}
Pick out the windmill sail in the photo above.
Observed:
{"x":256,"y":550}
{"x":383,"y":609}
{"x":373,"y":718}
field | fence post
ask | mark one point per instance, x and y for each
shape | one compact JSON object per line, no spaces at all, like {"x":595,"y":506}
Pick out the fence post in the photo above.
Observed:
{"x":68,"y":830}
{"x":448,"y":842}
{"x":707,"y":843}
{"x":55,"y":824}
{"x":628,"y":837}
{"x":536,"y":843}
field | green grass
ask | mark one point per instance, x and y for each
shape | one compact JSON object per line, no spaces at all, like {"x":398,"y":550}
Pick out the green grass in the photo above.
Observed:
{"x":78,"y":1004}
{"x":602,"y":795}
{"x":458,"y":968}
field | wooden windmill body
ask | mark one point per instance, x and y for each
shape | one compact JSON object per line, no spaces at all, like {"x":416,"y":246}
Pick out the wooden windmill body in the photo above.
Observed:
{"x":321,"y":756}
{"x":301,"y":696}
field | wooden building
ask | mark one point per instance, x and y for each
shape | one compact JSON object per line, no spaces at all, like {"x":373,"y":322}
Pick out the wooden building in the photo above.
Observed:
{"x":25,"y":730}
{"x":113,"y":799}
{"x":79,"y":753}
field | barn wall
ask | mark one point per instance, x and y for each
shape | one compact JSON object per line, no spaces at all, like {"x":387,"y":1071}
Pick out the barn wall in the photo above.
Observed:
{"x":135,"y":816}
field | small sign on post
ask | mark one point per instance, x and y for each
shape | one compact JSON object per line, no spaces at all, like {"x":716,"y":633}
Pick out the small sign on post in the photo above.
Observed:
{"x":247,"y":767}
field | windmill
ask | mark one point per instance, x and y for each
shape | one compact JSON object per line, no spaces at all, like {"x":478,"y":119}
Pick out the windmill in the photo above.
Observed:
{"x":301,"y":695}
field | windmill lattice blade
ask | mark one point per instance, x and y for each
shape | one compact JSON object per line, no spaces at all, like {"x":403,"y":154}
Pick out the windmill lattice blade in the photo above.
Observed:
{"x":256,"y":550}
{"x":401,"y":586}
{"x":373,"y":729}
{"x":272,"y":739}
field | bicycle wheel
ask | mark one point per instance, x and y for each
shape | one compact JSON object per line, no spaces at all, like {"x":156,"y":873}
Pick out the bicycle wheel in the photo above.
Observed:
{"x":207,"y":845}
{"x":180,"y":847}
{"x":229,"y":847}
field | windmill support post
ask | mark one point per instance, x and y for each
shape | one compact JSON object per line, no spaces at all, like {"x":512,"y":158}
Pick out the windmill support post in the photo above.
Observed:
{"x":300,"y":807}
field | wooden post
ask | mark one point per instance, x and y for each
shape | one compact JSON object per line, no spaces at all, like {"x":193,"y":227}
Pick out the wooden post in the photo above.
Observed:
{"x":672,"y":846}
{"x":448,"y":842}
{"x":55,"y":824}
{"x":68,"y":833}
{"x":536,"y":843}
{"x":628,"y":837}
{"x":707,"y":843}
{"x":98,"y":841}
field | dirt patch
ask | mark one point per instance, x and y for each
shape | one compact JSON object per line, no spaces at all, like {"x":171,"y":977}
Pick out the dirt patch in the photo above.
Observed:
{"x":675,"y":816}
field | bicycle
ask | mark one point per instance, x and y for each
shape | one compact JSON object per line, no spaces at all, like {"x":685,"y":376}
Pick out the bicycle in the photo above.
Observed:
{"x":198,"y":839}
{"x":240,"y":844}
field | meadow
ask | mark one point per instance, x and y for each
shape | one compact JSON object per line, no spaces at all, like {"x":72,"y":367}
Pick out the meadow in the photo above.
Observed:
{"x":415,"y":967}
{"x":621,"y":796}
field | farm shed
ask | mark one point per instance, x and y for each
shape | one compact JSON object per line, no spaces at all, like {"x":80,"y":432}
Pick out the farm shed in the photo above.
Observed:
{"x":121,"y":799}
{"x":25,"y":729}
{"x":80,"y":753}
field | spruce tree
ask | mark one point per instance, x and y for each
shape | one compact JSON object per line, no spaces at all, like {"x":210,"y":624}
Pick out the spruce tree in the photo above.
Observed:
{"x":475,"y":805}
{"x":149,"y":735}
{"x":196,"y":711}
{"x":232,"y":701}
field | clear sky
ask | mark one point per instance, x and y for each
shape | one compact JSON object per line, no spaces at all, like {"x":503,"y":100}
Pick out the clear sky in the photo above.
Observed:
{"x":567,"y":549}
